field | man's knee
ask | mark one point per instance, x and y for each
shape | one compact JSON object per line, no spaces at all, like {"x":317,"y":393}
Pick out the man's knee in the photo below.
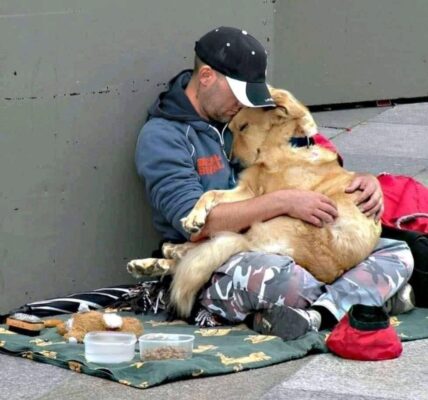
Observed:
{"x":253,"y":270}
{"x":402,"y":251}
{"x":396,"y":252}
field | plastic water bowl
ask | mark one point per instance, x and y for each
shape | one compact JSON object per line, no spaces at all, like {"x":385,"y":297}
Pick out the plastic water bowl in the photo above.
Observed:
{"x":162,"y":346}
{"x":109,"y":347}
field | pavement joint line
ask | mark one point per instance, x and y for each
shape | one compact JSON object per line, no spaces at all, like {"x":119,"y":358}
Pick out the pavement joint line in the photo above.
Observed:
{"x":395,"y":123}
{"x":340,"y":131}
{"x":334,"y":127}
{"x":347,"y":128}
{"x":422,"y":171}
{"x":335,"y":393}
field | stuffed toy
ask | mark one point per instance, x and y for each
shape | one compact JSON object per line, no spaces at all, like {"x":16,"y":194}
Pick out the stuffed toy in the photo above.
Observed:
{"x":76,"y":327}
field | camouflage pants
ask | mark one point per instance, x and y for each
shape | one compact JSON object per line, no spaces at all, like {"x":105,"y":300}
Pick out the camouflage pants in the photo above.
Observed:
{"x":251,"y":281}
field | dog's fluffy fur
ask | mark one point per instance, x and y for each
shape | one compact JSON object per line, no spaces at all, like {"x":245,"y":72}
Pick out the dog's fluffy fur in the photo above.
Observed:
{"x":261,"y":142}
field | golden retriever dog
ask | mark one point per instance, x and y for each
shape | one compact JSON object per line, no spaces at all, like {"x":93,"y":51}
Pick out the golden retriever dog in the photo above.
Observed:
{"x":261,"y":141}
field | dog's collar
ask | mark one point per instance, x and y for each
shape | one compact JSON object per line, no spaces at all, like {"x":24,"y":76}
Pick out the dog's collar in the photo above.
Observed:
{"x":302,"y":141}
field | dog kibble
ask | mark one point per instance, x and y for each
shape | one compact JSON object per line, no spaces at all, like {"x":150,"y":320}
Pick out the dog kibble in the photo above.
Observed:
{"x":164,"y":353}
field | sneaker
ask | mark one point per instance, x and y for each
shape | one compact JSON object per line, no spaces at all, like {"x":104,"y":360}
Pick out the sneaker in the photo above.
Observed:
{"x":286,"y":322}
{"x":403,"y":301}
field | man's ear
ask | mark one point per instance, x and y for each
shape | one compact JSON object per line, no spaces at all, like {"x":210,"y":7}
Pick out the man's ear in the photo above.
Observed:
{"x":206,"y":75}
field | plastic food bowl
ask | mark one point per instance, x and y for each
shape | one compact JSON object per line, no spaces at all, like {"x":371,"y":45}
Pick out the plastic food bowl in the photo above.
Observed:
{"x":109,"y":347}
{"x":162,"y":346}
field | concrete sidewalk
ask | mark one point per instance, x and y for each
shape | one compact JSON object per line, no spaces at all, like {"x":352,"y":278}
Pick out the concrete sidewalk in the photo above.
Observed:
{"x":370,"y":140}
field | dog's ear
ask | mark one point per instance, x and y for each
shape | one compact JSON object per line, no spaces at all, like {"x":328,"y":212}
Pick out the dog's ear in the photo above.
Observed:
{"x":285,"y":100}
{"x":281,"y":111}
{"x":279,"y":115}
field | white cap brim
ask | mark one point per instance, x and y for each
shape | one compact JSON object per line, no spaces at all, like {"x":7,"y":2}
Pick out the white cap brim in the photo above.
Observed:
{"x":251,"y":94}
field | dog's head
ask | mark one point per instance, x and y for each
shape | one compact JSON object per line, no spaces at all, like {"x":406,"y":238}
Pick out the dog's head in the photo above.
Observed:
{"x":257,"y":129}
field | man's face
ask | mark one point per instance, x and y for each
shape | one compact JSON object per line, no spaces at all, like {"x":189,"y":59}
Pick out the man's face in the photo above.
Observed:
{"x":217,"y":100}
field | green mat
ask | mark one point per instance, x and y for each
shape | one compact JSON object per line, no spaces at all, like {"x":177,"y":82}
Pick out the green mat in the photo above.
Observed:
{"x":217,"y":350}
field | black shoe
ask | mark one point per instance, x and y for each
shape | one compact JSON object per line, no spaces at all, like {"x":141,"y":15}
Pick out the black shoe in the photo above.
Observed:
{"x":286,"y":322}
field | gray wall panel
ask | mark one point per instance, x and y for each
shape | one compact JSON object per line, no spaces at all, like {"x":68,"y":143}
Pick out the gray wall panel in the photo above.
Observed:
{"x":77,"y":76}
{"x":75,"y":80}
{"x":336,"y":51}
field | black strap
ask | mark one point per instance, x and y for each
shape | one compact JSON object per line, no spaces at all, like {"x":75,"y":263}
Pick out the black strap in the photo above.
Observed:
{"x":368,"y":318}
{"x":302,"y":141}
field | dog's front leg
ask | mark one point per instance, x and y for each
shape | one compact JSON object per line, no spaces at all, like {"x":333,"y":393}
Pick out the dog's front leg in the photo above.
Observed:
{"x":177,"y":251}
{"x":151,"y":267}
{"x":195,"y":221}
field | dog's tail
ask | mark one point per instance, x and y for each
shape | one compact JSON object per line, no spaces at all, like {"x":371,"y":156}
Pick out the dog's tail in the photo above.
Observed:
{"x":196,"y":267}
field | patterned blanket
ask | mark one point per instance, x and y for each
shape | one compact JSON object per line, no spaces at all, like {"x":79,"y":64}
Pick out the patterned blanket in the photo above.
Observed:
{"x":217,"y":350}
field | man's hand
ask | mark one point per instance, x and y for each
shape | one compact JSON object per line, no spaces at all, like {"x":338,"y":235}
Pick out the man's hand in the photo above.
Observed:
{"x":311,"y":207}
{"x":370,"y":200}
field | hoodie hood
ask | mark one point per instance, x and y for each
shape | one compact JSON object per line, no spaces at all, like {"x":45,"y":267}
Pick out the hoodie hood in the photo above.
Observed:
{"x":173,"y":104}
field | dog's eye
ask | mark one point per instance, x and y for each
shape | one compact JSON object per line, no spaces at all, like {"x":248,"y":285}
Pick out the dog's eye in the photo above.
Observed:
{"x":242,"y":127}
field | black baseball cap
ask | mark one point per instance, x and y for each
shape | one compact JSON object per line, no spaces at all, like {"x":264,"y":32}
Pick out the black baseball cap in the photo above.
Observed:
{"x":242,"y":59}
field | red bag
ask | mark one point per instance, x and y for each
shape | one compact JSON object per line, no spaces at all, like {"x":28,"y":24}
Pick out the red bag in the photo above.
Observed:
{"x":406,"y":203}
{"x":365,"y":334}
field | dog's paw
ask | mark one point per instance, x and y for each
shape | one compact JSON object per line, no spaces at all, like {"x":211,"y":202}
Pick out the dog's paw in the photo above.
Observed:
{"x":148,"y":267}
{"x":194,"y":222}
{"x":176,"y":251}
{"x":168,"y":250}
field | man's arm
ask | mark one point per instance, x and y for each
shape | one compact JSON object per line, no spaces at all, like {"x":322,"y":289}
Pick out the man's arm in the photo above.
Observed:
{"x":163,"y":158}
{"x":308,"y":206}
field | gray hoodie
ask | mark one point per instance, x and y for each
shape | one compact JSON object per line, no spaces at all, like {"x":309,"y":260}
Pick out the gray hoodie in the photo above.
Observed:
{"x":180,"y":156}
